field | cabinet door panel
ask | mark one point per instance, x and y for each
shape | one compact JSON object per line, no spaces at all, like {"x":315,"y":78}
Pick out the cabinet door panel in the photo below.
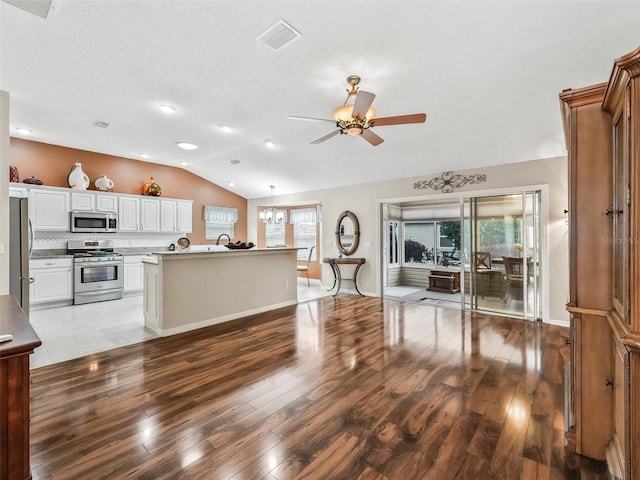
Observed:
{"x":49,"y":209}
{"x":149,"y":215}
{"x":129,"y":214}
{"x":82,"y":201}
{"x":107,"y":203}
{"x":51,"y":284}
{"x":621,"y":217}
{"x":168,"y":215}
{"x":184,"y":217}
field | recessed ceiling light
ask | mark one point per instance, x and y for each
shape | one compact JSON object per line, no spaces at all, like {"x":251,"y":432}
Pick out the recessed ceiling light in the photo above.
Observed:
{"x":235,"y":161}
{"x":186,"y":145}
{"x":226,"y":128}
{"x":231,"y":184}
{"x":23,"y":131}
{"x":167,"y":108}
{"x":270,"y":144}
{"x":144,"y":155}
{"x":183,"y":163}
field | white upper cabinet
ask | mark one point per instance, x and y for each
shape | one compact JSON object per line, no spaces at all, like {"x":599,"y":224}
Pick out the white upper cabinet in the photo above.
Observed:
{"x":129,"y":214}
{"x":175,"y":216}
{"x":94,"y":202}
{"x":168,"y":215}
{"x":49,"y":209}
{"x":149,"y":215}
{"x":106,"y":203}
{"x":184,"y":217}
{"x":83,"y":201}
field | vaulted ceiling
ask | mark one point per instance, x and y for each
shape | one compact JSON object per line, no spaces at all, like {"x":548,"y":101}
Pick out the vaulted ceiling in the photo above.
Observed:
{"x":487,"y":74}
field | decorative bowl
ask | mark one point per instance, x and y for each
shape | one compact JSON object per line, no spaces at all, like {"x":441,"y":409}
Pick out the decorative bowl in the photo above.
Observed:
{"x":183,"y":243}
{"x":240,"y":246}
{"x":32,"y":181}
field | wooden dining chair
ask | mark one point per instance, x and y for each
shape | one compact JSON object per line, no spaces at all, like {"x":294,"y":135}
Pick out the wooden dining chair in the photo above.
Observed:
{"x":483,"y":260}
{"x":514,"y":276}
{"x":305,"y":268}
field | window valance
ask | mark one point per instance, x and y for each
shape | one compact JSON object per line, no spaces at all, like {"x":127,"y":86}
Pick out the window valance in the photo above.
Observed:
{"x":224,"y":215}
{"x":305,"y":215}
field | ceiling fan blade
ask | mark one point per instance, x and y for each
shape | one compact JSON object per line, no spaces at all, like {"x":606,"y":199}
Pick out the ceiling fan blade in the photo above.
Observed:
{"x":371,"y":137}
{"x":399,"y":120}
{"x":310,"y":119}
{"x":326,"y":137}
{"x":363,"y":102}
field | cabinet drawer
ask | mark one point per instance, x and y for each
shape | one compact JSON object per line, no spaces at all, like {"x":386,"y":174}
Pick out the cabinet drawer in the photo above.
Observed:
{"x":50,"y":263}
{"x":133,"y":258}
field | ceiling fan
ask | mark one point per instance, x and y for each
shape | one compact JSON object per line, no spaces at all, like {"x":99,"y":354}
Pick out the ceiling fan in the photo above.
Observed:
{"x":356,"y":117}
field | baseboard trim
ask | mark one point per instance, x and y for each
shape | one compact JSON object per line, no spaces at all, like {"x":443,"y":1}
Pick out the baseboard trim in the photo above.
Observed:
{"x":217,"y":320}
{"x":615,"y":462}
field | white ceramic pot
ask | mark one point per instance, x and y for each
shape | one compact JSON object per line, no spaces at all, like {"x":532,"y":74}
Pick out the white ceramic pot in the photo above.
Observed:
{"x":103,"y":183}
{"x":77,"y":178}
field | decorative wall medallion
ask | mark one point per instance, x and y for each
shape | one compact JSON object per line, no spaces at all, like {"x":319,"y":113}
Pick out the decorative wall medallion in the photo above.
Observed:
{"x":448,"y":182}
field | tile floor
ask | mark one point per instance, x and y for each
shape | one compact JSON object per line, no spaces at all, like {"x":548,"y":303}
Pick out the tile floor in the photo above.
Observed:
{"x":78,"y":330}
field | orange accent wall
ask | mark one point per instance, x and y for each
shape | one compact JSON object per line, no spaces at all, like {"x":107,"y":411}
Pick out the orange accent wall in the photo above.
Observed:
{"x":52,"y":164}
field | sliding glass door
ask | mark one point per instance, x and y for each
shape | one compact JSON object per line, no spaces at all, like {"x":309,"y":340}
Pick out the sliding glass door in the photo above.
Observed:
{"x":501,"y":242}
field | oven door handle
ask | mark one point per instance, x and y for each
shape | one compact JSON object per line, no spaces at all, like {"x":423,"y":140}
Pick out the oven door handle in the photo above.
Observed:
{"x":99,"y":264}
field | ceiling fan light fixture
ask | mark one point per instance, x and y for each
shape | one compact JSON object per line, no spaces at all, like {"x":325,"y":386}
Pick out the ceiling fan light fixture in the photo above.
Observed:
{"x":343,"y":113}
{"x":354,"y":131}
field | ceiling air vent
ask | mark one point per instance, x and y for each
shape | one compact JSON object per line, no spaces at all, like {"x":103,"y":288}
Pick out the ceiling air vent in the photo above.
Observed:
{"x":278,"y":35}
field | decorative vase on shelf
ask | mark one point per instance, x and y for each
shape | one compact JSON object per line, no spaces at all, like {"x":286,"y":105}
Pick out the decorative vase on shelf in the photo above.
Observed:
{"x":151,"y":188}
{"x":14,"y":177}
{"x":77,"y":179}
{"x":103,"y":183}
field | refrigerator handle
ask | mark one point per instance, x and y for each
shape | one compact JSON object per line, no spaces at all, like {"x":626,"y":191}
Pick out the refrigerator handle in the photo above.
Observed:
{"x":30,"y":237}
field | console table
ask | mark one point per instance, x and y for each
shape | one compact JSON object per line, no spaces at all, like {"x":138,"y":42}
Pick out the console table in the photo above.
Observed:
{"x":335,"y":263}
{"x":14,"y":385}
{"x":444,"y":281}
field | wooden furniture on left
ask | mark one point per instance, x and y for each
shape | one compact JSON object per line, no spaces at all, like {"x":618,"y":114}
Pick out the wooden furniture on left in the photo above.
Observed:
{"x":445,"y":281}
{"x":14,"y":390}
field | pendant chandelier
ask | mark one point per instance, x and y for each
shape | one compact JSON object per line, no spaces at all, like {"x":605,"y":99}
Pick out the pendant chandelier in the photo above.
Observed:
{"x":272,"y":216}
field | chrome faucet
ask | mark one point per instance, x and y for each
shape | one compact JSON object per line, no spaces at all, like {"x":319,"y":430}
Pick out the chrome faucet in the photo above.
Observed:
{"x":223,"y":235}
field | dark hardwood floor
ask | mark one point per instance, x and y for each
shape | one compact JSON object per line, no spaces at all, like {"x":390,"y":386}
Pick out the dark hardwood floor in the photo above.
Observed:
{"x":347,"y":388}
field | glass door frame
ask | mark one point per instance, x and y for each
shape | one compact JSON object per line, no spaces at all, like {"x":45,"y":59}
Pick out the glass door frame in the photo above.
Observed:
{"x":543,"y":253}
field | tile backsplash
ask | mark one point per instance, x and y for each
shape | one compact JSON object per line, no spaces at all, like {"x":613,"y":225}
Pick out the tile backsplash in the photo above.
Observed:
{"x":58,"y":240}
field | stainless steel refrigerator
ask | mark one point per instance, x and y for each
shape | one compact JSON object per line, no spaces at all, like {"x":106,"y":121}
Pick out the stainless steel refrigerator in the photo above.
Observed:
{"x":20,"y":244}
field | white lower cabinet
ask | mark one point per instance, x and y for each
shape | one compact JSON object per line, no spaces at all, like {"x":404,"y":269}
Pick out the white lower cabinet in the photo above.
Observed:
{"x":53,"y":280}
{"x":133,"y":273}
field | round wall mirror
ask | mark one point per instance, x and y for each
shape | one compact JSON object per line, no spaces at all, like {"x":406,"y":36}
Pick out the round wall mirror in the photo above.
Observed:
{"x":347,"y":233}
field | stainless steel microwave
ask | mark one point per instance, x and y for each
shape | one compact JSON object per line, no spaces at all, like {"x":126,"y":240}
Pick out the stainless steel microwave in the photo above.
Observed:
{"x":90,"y":222}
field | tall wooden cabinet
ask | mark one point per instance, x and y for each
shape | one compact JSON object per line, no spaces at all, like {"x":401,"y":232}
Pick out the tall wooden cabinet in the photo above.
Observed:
{"x":603,"y":140}
{"x":590,"y":188}
{"x":622,"y":101}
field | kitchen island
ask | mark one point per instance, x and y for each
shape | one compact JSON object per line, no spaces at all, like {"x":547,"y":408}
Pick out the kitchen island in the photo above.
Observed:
{"x":190,"y":290}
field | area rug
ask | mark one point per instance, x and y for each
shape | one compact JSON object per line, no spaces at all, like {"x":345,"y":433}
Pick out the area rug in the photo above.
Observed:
{"x":400,"y":291}
{"x":439,"y":303}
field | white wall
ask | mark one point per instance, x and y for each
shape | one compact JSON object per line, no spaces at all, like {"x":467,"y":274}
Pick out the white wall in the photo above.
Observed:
{"x":364,"y":199}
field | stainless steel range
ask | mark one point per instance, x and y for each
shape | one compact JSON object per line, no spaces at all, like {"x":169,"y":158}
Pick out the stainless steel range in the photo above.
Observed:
{"x":98,"y":271}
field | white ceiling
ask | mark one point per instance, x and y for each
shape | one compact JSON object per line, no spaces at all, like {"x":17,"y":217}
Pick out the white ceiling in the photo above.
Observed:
{"x":487,"y":74}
